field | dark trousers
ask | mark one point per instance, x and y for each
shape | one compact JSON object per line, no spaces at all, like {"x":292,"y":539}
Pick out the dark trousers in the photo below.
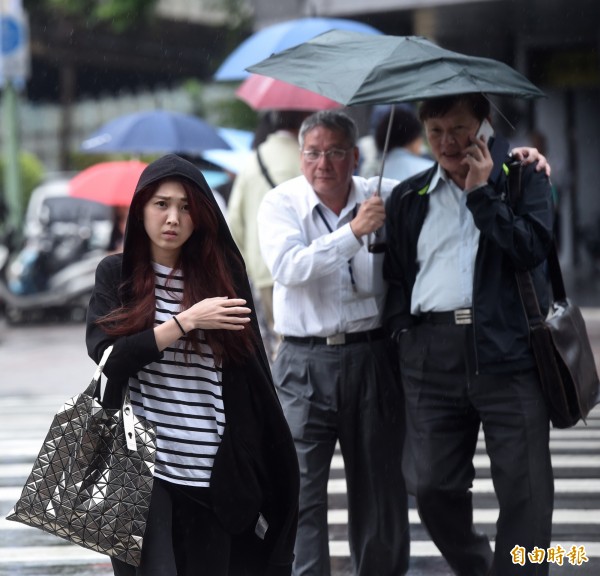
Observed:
{"x":183,"y":537}
{"x":348,"y":394}
{"x":447,"y":401}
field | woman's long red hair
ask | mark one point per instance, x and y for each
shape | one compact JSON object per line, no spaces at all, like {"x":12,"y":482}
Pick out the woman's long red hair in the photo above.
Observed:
{"x":206,"y":265}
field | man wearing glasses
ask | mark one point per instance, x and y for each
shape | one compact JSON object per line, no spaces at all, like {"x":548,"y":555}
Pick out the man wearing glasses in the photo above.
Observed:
{"x":334,"y":371}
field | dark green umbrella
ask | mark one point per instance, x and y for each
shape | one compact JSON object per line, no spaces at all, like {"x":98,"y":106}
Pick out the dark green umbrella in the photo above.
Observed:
{"x":354,"y":68}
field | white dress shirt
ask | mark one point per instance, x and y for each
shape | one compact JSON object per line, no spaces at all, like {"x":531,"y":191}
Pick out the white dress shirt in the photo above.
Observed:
{"x":446,"y":250}
{"x":313,"y":293}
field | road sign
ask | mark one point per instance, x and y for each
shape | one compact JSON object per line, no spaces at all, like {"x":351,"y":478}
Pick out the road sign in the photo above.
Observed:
{"x":14,"y":44}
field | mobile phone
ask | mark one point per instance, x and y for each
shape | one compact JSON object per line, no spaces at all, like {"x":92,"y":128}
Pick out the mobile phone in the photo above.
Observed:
{"x":485,"y":130}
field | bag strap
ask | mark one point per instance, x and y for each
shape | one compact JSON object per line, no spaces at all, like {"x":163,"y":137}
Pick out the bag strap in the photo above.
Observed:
{"x":556,"y":278}
{"x":94,"y":387}
{"x":127,"y":409}
{"x":556,"y":281}
{"x":129,"y":422}
{"x":264,"y":170}
{"x":102,"y":363}
{"x":526,"y":288}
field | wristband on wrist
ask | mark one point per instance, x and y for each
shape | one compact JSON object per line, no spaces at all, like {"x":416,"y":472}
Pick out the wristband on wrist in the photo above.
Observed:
{"x":180,"y":326}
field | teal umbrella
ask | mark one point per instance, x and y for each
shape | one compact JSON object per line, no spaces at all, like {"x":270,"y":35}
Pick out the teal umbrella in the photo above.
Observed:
{"x":355,"y":68}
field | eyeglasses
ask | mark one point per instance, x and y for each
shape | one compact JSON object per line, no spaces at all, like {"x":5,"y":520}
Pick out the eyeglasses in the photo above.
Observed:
{"x":335,"y":154}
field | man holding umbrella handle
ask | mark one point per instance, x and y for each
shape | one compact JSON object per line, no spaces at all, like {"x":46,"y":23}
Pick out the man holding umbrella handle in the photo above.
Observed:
{"x":454,"y":244}
{"x":335,"y":370}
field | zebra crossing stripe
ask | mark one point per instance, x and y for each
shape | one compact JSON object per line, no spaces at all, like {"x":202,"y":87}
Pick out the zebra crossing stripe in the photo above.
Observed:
{"x":339,"y":516}
{"x":564,"y":486}
{"x":23,"y":431}
{"x":70,"y":554}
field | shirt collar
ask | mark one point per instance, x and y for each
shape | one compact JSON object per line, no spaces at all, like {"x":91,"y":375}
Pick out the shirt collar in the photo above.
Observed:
{"x":314,"y":200}
{"x":440,"y":180}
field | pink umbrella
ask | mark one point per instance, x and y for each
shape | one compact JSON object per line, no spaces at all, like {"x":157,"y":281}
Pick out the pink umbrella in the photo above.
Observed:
{"x":111,"y":183}
{"x":264,"y":93}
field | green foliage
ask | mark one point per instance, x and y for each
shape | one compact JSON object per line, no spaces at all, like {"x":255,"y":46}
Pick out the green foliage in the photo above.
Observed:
{"x":195,"y":91}
{"x":220,"y":107}
{"x":32,"y":172}
{"x":235,"y":114}
{"x":118,"y":14}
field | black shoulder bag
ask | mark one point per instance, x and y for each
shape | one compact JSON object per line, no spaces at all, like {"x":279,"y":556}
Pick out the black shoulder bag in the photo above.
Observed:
{"x":560,"y":342}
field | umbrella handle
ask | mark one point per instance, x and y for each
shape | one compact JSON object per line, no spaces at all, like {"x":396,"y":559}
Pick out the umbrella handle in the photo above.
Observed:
{"x":377,"y":243}
{"x":385,"y":149}
{"x":376,"y":240}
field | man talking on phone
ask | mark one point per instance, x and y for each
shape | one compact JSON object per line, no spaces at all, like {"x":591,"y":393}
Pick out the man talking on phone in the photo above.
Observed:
{"x":454,"y":309}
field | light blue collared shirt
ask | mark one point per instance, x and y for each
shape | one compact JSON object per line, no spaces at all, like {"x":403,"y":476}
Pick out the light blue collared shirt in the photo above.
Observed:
{"x":446,"y":250}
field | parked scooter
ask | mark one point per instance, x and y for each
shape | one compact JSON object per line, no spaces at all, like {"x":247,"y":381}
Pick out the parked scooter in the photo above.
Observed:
{"x":52,"y":275}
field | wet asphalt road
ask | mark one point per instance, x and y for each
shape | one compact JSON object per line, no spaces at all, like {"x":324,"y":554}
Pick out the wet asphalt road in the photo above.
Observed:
{"x":49,"y":361}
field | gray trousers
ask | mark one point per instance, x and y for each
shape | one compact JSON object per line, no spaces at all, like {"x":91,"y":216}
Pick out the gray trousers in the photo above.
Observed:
{"x":349,"y":394}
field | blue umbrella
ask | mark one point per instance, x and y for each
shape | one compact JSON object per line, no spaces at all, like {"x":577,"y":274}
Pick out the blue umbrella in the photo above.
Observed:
{"x":231,"y":160}
{"x":278,"y":37}
{"x":236,"y":138}
{"x":155,"y":131}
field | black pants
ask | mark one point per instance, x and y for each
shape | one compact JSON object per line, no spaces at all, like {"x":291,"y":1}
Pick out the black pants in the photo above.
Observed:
{"x":183,"y":537}
{"x":447,"y":401}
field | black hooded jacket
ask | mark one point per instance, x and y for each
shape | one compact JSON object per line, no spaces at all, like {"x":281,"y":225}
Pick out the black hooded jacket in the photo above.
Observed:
{"x":255,"y":469}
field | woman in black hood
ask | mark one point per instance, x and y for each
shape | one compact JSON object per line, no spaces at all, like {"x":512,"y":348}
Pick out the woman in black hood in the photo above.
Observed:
{"x":174,"y":307}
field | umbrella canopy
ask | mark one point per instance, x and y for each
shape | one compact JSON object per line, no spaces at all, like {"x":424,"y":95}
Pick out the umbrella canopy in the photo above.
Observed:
{"x":279,"y":37}
{"x":355,"y":68}
{"x":111,"y":183}
{"x":155,"y":132}
{"x":264,"y":93}
{"x":229,"y":160}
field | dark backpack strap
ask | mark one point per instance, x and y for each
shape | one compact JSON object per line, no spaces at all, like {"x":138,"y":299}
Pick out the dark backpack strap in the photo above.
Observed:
{"x":264,"y":170}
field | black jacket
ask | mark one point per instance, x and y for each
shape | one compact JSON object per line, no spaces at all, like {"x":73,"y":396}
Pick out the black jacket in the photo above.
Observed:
{"x":255,"y":468}
{"x":509,"y":240}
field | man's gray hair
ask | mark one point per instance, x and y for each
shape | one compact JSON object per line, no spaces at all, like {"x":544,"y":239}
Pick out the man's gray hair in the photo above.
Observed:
{"x":334,"y":120}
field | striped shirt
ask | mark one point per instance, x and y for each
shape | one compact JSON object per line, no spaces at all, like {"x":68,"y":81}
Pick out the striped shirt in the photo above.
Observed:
{"x":183,"y":400}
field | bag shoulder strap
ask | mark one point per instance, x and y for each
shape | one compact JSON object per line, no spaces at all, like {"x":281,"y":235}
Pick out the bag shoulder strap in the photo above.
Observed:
{"x":94,"y":388}
{"x":530,"y":301}
{"x":264,"y":170}
{"x":127,"y":409}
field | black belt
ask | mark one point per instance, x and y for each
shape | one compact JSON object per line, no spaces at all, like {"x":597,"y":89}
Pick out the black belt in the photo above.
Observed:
{"x":461,"y":316}
{"x":339,"y":339}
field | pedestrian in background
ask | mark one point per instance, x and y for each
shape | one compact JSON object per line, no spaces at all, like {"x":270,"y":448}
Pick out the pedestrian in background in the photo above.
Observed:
{"x":334,"y":370}
{"x":455,"y":311}
{"x":176,"y":306}
{"x":274,"y":161}
{"x":404,"y":156}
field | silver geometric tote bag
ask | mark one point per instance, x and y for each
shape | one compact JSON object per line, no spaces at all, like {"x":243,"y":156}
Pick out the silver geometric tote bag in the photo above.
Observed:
{"x":92,"y":480}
